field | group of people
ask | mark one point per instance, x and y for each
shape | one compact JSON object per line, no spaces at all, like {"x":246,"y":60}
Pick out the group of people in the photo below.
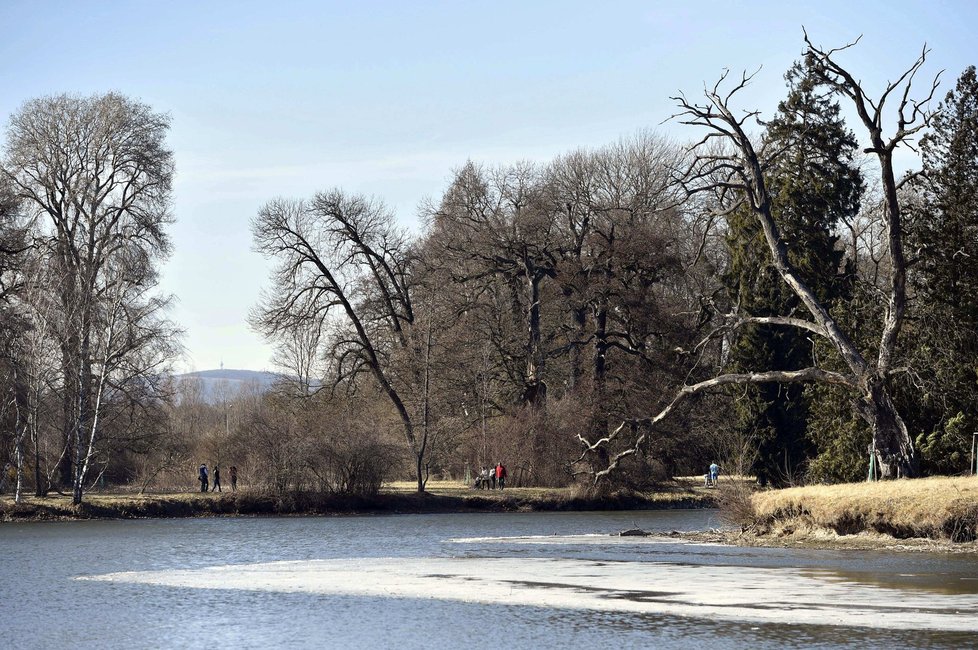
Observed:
{"x":489,"y":477}
{"x":204,"y":478}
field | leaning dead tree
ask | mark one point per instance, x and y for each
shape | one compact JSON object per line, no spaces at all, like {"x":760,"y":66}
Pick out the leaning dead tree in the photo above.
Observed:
{"x":727,"y":164}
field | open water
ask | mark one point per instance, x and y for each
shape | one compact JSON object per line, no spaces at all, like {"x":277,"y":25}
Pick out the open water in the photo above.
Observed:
{"x":535,"y":580}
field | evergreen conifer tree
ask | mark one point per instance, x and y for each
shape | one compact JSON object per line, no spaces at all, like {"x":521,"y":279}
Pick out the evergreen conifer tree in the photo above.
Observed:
{"x":945,"y":283}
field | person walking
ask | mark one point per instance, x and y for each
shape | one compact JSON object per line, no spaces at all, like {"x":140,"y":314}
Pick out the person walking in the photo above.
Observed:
{"x":217,"y":480}
{"x":714,"y":473}
{"x":202,"y":477}
{"x":501,"y":475}
{"x":233,"y":473}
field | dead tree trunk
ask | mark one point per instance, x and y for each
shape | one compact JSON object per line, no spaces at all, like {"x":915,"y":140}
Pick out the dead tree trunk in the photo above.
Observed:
{"x":894,"y":454}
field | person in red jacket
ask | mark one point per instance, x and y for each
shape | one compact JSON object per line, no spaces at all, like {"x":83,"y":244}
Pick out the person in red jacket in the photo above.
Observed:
{"x":501,"y":475}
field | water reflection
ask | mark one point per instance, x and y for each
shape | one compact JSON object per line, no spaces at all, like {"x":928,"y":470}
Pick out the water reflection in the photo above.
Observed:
{"x":937,"y":582}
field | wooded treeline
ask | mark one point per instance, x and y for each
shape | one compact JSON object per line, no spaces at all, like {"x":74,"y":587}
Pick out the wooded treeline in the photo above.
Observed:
{"x":778,"y":297}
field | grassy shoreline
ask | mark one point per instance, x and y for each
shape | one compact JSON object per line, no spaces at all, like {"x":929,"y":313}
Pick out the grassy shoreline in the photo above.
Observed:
{"x":937,"y":513}
{"x":443,"y":497}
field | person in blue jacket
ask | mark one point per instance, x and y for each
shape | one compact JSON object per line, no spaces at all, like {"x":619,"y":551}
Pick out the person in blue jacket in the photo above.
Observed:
{"x":714,"y":473}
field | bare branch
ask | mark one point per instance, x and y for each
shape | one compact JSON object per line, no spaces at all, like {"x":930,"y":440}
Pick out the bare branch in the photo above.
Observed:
{"x":807,"y":375}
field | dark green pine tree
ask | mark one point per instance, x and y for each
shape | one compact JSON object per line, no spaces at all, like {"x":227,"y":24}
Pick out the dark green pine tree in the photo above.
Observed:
{"x":945,"y":282}
{"x":814,"y":184}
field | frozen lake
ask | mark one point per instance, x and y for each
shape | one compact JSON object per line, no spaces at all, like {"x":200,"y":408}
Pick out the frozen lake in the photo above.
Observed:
{"x":460,"y":580}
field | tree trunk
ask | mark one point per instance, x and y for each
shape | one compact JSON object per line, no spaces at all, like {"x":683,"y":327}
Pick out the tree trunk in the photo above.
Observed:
{"x":425,"y":410}
{"x":418,"y":449}
{"x":65,"y":473}
{"x":599,"y":412}
{"x":420,"y":472}
{"x":892,"y":446}
{"x":20,"y":430}
{"x":40,"y":489}
{"x":579,"y":316}
{"x":535,"y":391}
{"x":70,"y":346}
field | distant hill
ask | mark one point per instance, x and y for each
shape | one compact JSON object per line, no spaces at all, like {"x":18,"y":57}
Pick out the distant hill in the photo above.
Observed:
{"x":215,"y":385}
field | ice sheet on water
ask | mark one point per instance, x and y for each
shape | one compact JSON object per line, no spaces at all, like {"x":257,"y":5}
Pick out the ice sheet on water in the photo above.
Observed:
{"x":738,"y":593}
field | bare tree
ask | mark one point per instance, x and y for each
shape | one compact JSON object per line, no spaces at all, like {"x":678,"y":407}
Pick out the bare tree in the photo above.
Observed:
{"x":344,"y":269}
{"x":494,"y":231}
{"x":14,"y":230}
{"x":184,"y":424}
{"x":618,"y":212}
{"x":297,"y":351}
{"x":13,"y":246}
{"x":735,"y":172}
{"x":566,"y":274}
{"x":95,"y":173}
{"x":35,"y":359}
{"x":130,"y":354}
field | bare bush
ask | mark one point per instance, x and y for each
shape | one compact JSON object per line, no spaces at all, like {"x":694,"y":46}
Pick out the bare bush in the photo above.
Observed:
{"x":736,"y":502}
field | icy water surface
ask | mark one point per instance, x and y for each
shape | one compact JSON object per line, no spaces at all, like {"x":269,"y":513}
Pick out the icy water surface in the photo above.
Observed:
{"x":459,"y":581}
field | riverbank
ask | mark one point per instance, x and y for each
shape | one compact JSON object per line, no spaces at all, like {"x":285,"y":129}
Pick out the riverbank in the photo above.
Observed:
{"x":441,"y":497}
{"x":931,"y":514}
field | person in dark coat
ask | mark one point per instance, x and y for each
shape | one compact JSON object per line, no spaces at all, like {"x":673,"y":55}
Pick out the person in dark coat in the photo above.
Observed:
{"x":233,"y":473}
{"x":217,"y":480}
{"x":202,"y":477}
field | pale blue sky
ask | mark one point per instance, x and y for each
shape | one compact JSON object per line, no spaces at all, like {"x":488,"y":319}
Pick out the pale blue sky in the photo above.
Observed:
{"x":287,"y":98}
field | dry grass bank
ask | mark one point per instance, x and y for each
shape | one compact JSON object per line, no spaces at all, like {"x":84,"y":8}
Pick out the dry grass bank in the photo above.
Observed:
{"x":937,"y":508}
